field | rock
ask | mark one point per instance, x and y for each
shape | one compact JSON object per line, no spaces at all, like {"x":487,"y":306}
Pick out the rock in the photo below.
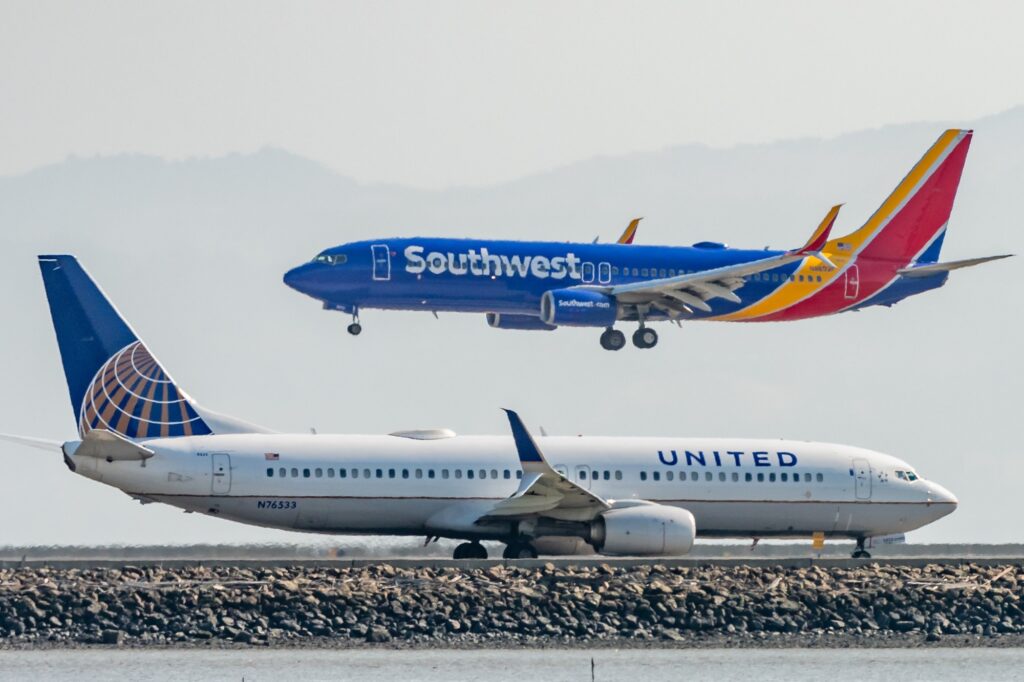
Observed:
{"x":378,"y":634}
{"x":112,"y":637}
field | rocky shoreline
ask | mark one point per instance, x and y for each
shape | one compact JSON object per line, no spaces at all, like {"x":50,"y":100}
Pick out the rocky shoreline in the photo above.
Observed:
{"x":497,"y":606}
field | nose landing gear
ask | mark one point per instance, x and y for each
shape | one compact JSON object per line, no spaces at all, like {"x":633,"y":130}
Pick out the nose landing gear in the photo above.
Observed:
{"x":860,"y":552}
{"x":355,"y":328}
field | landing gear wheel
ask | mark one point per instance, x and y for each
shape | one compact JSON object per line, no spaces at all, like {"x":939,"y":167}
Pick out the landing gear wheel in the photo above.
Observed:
{"x":612,"y":339}
{"x":355,"y":328}
{"x":645,"y":337}
{"x":519,"y":550}
{"x":470,"y":550}
{"x":860,"y":552}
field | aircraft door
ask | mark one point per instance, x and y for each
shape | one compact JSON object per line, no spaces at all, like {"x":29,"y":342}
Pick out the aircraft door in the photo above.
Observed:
{"x":583,"y":477}
{"x":381,"y":262}
{"x":852,"y":281}
{"x":862,"y":474}
{"x":604,"y":273}
{"x":221,"y":463}
{"x":588,"y":272}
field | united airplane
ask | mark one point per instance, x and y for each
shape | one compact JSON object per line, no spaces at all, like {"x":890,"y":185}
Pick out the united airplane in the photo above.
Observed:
{"x":545,"y":285}
{"x":139,"y":432}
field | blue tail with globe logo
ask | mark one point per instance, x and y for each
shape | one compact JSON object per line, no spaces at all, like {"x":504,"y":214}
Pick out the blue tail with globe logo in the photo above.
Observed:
{"x":114,"y":382}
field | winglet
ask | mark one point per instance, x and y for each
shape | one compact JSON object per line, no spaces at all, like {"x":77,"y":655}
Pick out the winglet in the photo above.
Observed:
{"x":630,"y":231}
{"x":820,"y":236}
{"x":526,"y":448}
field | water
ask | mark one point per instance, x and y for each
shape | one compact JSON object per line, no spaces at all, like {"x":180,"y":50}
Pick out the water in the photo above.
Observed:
{"x":515,"y":665}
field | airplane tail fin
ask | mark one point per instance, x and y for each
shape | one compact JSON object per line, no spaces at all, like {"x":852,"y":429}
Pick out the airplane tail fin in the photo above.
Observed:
{"x":911,"y":223}
{"x":630,"y":232}
{"x":114,"y":382}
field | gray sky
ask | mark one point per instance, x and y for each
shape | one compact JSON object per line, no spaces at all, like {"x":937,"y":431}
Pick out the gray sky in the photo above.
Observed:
{"x":479,"y":95}
{"x":431,"y":94}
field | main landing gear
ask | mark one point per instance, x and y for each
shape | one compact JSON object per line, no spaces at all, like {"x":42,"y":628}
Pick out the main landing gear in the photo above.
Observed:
{"x":860,"y":552}
{"x":470,"y":550}
{"x":613,"y":339}
{"x":519,"y":549}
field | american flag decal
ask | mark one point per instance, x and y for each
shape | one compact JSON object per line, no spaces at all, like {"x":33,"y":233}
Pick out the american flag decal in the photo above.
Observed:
{"x":271,"y":456}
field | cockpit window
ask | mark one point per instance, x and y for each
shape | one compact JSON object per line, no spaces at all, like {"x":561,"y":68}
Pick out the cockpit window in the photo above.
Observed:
{"x":331,"y":258}
{"x":907,"y":475}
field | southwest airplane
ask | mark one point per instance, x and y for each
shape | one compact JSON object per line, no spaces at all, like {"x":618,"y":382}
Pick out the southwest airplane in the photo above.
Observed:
{"x":141,"y":433}
{"x":544,"y":285}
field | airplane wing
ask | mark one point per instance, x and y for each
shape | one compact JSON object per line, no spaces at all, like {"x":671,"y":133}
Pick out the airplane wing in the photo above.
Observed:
{"x":684,"y":293}
{"x":542,"y":490}
{"x":630,"y":232}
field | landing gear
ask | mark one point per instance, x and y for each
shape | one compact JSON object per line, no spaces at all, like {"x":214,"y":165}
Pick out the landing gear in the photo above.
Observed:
{"x":612,"y":339}
{"x":355,"y":328}
{"x":470,"y":550}
{"x":645,"y":337}
{"x":518,"y":549}
{"x":860,"y":552}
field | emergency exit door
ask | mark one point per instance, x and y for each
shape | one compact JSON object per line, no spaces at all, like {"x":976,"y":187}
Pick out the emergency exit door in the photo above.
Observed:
{"x":862,"y":475}
{"x":221,"y":463}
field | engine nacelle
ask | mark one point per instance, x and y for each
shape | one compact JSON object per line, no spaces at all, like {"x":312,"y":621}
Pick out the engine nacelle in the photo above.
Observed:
{"x":501,"y":321}
{"x":552,"y":545}
{"x":644,"y":530}
{"x":578,"y":308}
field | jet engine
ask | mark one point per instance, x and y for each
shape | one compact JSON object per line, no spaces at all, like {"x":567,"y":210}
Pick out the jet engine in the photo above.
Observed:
{"x":500,"y":321}
{"x":578,"y":308}
{"x":644,"y":530}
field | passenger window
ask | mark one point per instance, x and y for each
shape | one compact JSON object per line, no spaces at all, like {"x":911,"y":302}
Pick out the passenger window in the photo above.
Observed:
{"x":820,"y":478}
{"x":708,"y":476}
{"x":807,"y":478}
{"x":419,"y":473}
{"x":607,"y":475}
{"x":618,"y":475}
{"x":635,"y":272}
{"x":507,"y":474}
{"x":735,"y":476}
{"x":295,"y":472}
{"x":319,"y":472}
{"x":380,"y":473}
{"x":783,"y":477}
{"x":342,"y":472}
{"x":430,"y":473}
{"x":644,"y":271}
{"x":668,"y":475}
{"x":405,"y":473}
{"x":355,"y":473}
{"x":771,"y":477}
{"x":494,"y":473}
{"x":366,"y":473}
{"x":519,"y":473}
{"x":483,"y":473}
{"x":748,"y":477}
{"x":270,"y":472}
{"x":444,"y":473}
{"x":662,"y":273}
{"x":760,"y":478}
{"x":583,"y":474}
{"x":694,"y":476}
{"x":469,"y":473}
{"x":819,"y":278}
{"x":657,"y":475}
{"x":643,"y":475}
{"x":458,"y":473}
{"x":282,"y":472}
{"x":615,"y":269}
{"x":391,"y":473}
{"x":672,"y":272}
{"x":330,"y":473}
{"x":721,"y":476}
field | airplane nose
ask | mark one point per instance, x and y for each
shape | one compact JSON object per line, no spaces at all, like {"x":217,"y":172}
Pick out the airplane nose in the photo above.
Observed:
{"x":298,"y":278}
{"x":939,"y":495}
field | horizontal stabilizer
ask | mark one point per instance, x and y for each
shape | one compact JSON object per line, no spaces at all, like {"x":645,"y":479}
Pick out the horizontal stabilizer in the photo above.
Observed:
{"x":38,"y":443}
{"x":935,"y":268}
{"x":110,"y":446}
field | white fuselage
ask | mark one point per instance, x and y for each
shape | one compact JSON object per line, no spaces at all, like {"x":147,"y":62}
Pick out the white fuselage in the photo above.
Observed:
{"x":402,"y":486}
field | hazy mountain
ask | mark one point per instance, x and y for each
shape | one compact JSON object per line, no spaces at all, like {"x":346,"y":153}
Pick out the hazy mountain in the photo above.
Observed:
{"x":193,"y":252}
